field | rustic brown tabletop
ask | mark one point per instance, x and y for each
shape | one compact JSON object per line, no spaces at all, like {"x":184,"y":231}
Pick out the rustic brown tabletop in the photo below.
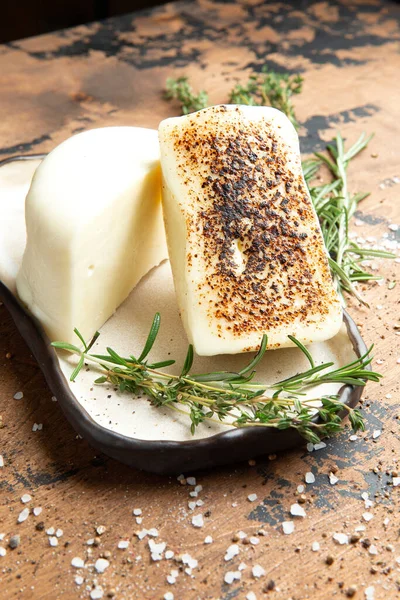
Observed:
{"x":113,"y":73}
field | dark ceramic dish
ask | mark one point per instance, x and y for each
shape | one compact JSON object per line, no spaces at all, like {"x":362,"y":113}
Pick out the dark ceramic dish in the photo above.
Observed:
{"x":160,"y":456}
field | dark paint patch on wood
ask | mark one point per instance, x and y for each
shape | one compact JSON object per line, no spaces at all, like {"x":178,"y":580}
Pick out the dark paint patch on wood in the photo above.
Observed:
{"x":25,"y":146}
{"x":369,"y":219}
{"x":270,"y":511}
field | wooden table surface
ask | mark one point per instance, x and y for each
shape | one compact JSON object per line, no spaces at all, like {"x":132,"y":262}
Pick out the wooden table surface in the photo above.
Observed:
{"x":112,"y":73}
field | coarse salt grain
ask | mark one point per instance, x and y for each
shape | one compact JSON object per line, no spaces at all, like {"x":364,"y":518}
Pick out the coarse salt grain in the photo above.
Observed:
{"x":241,"y":535}
{"x":393,"y":227}
{"x":353,"y":438}
{"x":251,"y":596}
{"x":100,"y":530}
{"x":242,"y":566}
{"x":370,"y":593}
{"x":53,"y":541}
{"x":231,"y":576}
{"x":232,"y":551}
{"x":26,"y":498}
{"x":315,"y":546}
{"x":309,"y":477}
{"x":169,"y":554}
{"x":192,"y":504}
{"x":254,"y":541}
{"x":367,"y":516}
{"x":37,"y":427}
{"x":101,"y":565}
{"x":3,"y":551}
{"x":77,"y":562}
{"x":18,"y":395}
{"x":139,"y":520}
{"x":197,"y":520}
{"x":171,"y":579}
{"x":198,"y":488}
{"x":341,"y":538}
{"x":191,"y":480}
{"x":1,"y":461}
{"x":396,"y":481}
{"x":59,"y":533}
{"x":376,"y":434}
{"x":23,"y":515}
{"x":297,"y":511}
{"x":199,"y":502}
{"x":252,"y":497}
{"x":153,"y":532}
{"x":168,"y":596}
{"x":373,"y":550}
{"x":96,"y":594}
{"x":50,"y":531}
{"x":258,"y":571}
{"x":142,"y":534}
{"x":156,"y":550}
{"x":208,"y":540}
{"x":319,"y":446}
{"x":37,"y":510}
{"x":79,"y":580}
{"x":333,"y":479}
{"x":123,"y":544}
{"x":137,"y":512}
{"x":288,"y":527}
{"x":189,"y":561}
{"x":300,"y":489}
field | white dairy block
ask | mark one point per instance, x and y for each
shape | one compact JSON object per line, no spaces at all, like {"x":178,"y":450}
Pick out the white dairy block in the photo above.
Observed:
{"x":245,"y":245}
{"x":94,"y":228}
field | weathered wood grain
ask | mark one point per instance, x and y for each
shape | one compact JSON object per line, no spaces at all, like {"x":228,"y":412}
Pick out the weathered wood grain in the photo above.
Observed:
{"x":113,"y":73}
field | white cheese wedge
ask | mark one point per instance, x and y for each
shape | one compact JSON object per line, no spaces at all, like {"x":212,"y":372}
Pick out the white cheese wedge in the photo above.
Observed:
{"x":244,"y":241}
{"x":94,"y":228}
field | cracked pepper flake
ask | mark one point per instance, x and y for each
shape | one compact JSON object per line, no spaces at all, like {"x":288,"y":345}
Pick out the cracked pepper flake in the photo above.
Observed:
{"x":252,"y":497}
{"x":258,"y":571}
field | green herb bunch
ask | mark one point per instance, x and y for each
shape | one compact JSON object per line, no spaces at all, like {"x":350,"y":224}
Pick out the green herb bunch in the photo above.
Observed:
{"x":269,"y":88}
{"x":180,"y":89}
{"x":223,"y":395}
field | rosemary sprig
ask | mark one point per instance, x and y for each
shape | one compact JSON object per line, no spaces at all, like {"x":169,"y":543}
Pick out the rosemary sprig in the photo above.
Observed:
{"x":180,"y":89}
{"x":221,"y":394}
{"x":269,"y":88}
{"x":335,"y":207}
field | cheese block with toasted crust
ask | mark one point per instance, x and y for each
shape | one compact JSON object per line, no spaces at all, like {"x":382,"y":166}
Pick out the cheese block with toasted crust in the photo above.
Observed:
{"x":244,"y":241}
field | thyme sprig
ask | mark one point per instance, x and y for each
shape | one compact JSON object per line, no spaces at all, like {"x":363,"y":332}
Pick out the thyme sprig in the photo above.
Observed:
{"x":220,"y":395}
{"x":269,"y":88}
{"x":335,"y":207}
{"x":180,"y":89}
